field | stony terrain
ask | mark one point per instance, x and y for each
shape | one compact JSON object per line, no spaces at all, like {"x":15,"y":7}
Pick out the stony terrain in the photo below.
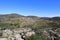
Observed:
{"x":18,"y":34}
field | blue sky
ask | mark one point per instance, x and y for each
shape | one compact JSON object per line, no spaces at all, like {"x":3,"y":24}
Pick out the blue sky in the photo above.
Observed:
{"x":42,"y":8}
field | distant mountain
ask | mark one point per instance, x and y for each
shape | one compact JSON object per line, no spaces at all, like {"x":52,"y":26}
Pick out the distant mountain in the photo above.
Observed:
{"x":52,"y":18}
{"x":45,"y":18}
{"x":13,"y":15}
{"x":56,"y":18}
{"x":32,"y":16}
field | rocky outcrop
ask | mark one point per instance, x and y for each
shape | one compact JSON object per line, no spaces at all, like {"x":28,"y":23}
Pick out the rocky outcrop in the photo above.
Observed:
{"x":17,"y":34}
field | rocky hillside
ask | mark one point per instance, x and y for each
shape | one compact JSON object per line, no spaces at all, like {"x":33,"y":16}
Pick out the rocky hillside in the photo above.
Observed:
{"x":17,"y":21}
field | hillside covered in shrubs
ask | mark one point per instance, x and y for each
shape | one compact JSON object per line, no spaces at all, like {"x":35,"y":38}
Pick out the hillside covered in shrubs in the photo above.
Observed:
{"x":42,"y":26}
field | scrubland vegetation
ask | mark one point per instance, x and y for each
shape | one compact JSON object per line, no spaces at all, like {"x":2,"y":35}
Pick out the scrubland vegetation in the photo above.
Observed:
{"x":44,"y":28}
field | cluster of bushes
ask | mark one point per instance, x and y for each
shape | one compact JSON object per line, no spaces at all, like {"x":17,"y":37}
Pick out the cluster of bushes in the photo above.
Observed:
{"x":34,"y":37}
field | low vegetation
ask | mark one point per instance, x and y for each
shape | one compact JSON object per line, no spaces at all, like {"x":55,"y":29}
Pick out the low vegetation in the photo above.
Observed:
{"x":38,"y":24}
